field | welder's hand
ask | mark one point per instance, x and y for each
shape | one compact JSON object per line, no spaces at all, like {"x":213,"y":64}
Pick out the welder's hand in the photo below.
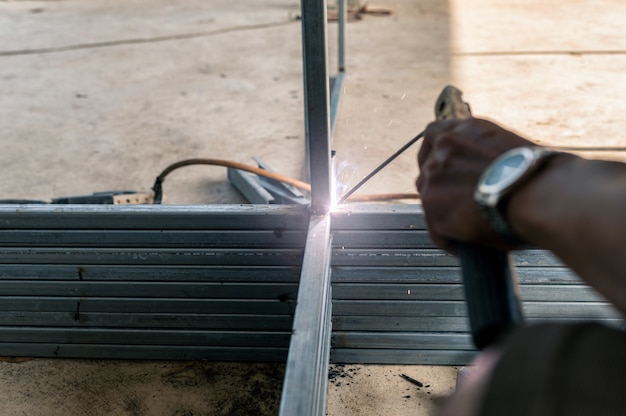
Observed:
{"x":453,"y":155}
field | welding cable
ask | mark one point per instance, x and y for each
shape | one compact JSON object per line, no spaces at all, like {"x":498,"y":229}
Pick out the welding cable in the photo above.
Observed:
{"x":158,"y":184}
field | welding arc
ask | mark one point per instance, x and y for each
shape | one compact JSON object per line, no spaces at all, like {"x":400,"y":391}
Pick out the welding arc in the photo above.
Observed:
{"x":380,"y":167}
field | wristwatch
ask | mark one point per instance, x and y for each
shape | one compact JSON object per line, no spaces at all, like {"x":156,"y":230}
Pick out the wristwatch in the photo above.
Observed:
{"x":500,"y":180}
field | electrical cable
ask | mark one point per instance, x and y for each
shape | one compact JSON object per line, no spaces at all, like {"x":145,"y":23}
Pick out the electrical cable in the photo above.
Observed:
{"x":158,"y":184}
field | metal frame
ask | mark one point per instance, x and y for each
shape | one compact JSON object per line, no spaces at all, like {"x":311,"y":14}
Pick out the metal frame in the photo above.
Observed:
{"x":250,"y":282}
{"x":255,"y":282}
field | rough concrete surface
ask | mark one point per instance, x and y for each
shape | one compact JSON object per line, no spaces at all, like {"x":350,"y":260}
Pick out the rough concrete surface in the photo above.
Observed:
{"x":100,"y":387}
{"x":102,"y":95}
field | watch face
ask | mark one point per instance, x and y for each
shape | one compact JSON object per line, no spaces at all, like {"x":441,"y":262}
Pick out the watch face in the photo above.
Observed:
{"x":501,"y":178}
{"x":505,"y":169}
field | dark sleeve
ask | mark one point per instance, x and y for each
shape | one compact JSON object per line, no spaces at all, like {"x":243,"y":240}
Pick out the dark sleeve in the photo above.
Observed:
{"x":553,"y":369}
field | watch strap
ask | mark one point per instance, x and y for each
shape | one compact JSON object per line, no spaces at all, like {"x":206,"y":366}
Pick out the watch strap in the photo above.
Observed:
{"x":499,"y":224}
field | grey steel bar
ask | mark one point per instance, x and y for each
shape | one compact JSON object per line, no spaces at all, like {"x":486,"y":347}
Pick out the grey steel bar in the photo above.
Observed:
{"x":442,"y":274}
{"x":282,"y":192}
{"x":77,"y":273}
{"x":165,"y":257}
{"x":151,"y":336}
{"x":378,"y":217}
{"x":154,"y":273}
{"x":146,"y":305}
{"x":403,"y":340}
{"x":341,"y":35}
{"x":316,"y":103}
{"x":249,"y":186}
{"x":232,"y":322}
{"x":305,"y":385}
{"x":154,"y":238}
{"x":162,"y":217}
{"x":446,"y":292}
{"x":409,"y":357}
{"x":438,"y":308}
{"x":337,"y":81}
{"x":205,"y":290}
{"x":335,"y":95}
{"x":141,"y":352}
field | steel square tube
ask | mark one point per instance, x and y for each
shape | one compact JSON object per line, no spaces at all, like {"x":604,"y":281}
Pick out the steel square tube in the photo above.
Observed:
{"x":75,"y":305}
{"x":138,"y":256}
{"x":304,"y":387}
{"x":336,"y":89}
{"x":432,"y":308}
{"x":370,"y":282}
{"x":154,"y":238}
{"x":249,"y":186}
{"x":341,"y":35}
{"x":337,"y":81}
{"x":180,"y":321}
{"x":438,"y":274}
{"x":395,"y":356}
{"x":430,"y":291}
{"x":177,"y":289}
{"x":143,"y":352}
{"x":155,"y":217}
{"x":382,"y":324}
{"x":316,"y":103}
{"x":133,"y":272}
{"x":404,"y":340}
{"x":136,"y":336}
{"x":378,"y":217}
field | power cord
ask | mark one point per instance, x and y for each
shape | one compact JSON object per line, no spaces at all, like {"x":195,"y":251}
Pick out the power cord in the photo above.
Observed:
{"x":158,"y":184}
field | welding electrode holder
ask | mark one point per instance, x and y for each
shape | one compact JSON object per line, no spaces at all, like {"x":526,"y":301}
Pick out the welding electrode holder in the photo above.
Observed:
{"x":489,"y":279}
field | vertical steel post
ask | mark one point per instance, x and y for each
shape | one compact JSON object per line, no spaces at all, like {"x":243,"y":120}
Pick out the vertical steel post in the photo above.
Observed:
{"x":337,"y":81}
{"x":316,"y":103}
{"x":341,"y":35}
{"x":305,"y":384}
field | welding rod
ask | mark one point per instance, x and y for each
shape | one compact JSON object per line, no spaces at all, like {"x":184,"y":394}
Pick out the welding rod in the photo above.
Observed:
{"x":379,"y":168}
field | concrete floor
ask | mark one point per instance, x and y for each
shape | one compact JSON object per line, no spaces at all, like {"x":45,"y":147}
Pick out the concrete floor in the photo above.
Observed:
{"x":101,"y":95}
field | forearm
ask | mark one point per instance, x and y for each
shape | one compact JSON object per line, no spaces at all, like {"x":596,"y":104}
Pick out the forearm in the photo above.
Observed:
{"x":577,"y":209}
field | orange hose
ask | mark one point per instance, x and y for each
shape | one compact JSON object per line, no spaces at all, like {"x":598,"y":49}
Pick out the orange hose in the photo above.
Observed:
{"x":276,"y":176}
